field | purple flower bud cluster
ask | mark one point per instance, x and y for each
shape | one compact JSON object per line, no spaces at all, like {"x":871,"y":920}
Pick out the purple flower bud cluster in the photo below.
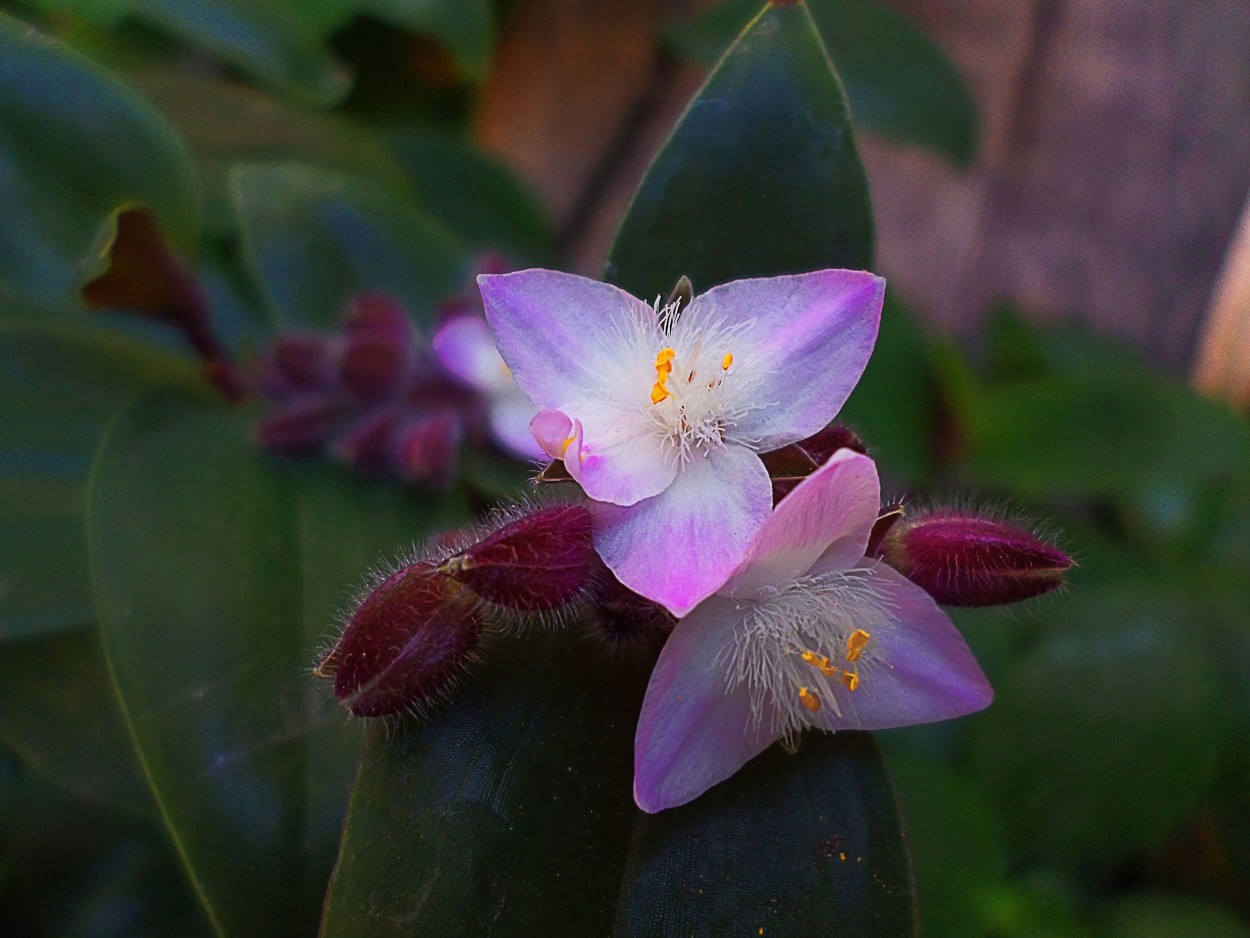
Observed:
{"x":419,"y":627}
{"x":373,"y":396}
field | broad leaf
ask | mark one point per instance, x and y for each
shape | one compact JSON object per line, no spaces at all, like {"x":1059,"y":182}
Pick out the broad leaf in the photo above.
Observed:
{"x":465,"y":27}
{"x":59,"y":386}
{"x":314,"y":238}
{"x":511,"y":804}
{"x":806,"y":844}
{"x":76,"y":146}
{"x":760,"y":177}
{"x":899,"y":83}
{"x":217,"y":574}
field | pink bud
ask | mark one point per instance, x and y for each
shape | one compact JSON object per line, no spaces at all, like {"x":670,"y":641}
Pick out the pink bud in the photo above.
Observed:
{"x":297,"y":363}
{"x":405,"y":644}
{"x":542,"y":561}
{"x":962,"y":559}
{"x":377,"y":348}
{"x":427,"y":449}
{"x":300,"y":428}
{"x":369,"y":445}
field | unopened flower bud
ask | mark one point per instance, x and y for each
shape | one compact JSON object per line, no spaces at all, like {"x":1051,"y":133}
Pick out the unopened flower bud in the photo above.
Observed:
{"x":622,"y":617}
{"x":369,"y":446}
{"x":300,"y":428}
{"x":377,"y":348}
{"x":428,"y":448}
{"x":542,"y":561}
{"x":962,"y":559}
{"x":824,"y":443}
{"x":790,"y":465}
{"x":405,"y":645}
{"x":297,"y":363}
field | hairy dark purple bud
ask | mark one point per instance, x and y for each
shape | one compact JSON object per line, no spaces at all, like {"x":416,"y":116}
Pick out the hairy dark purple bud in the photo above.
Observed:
{"x":542,"y":561}
{"x":963,"y":559}
{"x":405,"y":645}
{"x":622,"y":617}
{"x":378,"y":347}
{"x":824,"y":443}
{"x":790,"y":465}
{"x":300,"y":428}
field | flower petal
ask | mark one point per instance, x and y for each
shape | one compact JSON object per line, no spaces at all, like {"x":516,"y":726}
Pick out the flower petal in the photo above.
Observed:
{"x":828,"y":516}
{"x":559,"y":333}
{"x":809,"y":338}
{"x":465,"y":348}
{"x":612,"y":461}
{"x":681,"y":545}
{"x":693,"y":731}
{"x":928,"y":672}
{"x":554,"y":431}
{"x":510,"y":416}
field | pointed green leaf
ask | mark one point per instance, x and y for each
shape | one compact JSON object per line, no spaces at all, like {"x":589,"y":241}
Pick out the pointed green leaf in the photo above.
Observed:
{"x":76,"y":146}
{"x":760,"y":177}
{"x":899,"y":83}
{"x":507,"y":814}
{"x":806,"y":844}
{"x":314,"y":238}
{"x":217,"y":575}
{"x":60,"y":384}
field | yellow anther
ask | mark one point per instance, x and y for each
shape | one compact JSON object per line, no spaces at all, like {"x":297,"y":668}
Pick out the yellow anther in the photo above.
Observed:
{"x":659,"y":393}
{"x":819,"y":661}
{"x":855,"y":644}
{"x":664,"y":361}
{"x":726,"y":361}
{"x":851,"y":680}
{"x":663,"y":368}
{"x":808,"y":699}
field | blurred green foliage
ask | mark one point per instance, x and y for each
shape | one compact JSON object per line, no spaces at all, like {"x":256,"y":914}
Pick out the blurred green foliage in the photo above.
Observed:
{"x":167,"y":764}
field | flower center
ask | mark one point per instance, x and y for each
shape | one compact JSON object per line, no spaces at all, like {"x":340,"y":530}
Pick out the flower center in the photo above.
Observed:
{"x":806,"y":646}
{"x":688,"y":405}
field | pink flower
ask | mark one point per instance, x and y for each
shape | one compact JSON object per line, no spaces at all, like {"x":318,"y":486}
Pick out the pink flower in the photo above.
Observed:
{"x":807,"y":632}
{"x":661,"y":416}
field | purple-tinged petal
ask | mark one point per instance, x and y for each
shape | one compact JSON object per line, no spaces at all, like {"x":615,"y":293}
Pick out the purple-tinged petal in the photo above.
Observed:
{"x":693,"y":731}
{"x":809,"y":338}
{"x":828,"y":516}
{"x":510,"y":416}
{"x":926,"y":672}
{"x":680,"y":546}
{"x":554,"y":431}
{"x":559,"y":333}
{"x":464,"y":346}
{"x":612,"y":464}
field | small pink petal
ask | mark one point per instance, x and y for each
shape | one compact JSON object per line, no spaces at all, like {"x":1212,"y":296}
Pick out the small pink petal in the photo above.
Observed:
{"x":612,"y":465}
{"x":928,"y":673}
{"x":554,"y":432}
{"x":559,"y":333}
{"x":811,"y":334}
{"x":828,"y":516}
{"x":693,"y":731}
{"x":681,"y":545}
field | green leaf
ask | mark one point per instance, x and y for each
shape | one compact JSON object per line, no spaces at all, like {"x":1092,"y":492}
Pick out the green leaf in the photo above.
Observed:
{"x":76,"y":147}
{"x":475,"y":196}
{"x":59,"y":386}
{"x":1122,"y":679}
{"x":790,"y":845}
{"x":900,"y":84}
{"x":465,"y":27}
{"x":1114,"y":433}
{"x":59,"y":713}
{"x":264,"y":39}
{"x":511,"y":804}
{"x":1162,"y":916}
{"x":760,"y":177}
{"x":226,"y":123}
{"x":216,"y":576}
{"x":314,"y":238}
{"x":895,"y":405}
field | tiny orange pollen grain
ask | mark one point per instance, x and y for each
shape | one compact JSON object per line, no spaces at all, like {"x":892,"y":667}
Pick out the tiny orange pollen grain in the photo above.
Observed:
{"x":851,"y":680}
{"x":855,"y":644}
{"x":726,"y":361}
{"x":808,"y":699}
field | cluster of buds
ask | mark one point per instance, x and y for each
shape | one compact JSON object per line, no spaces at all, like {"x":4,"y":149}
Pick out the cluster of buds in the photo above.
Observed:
{"x":420,"y":626}
{"x":373,"y":396}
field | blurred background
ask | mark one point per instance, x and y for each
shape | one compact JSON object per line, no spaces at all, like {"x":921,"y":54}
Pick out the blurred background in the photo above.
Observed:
{"x":1058,"y":188}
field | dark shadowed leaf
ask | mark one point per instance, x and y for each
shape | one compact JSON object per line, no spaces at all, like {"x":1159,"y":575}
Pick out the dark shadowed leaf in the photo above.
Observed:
{"x":806,"y":844}
{"x":314,"y":238}
{"x":217,"y":574}
{"x":76,"y":146}
{"x":899,"y":83}
{"x":465,"y":27}
{"x":59,"y":386}
{"x":760,"y":177}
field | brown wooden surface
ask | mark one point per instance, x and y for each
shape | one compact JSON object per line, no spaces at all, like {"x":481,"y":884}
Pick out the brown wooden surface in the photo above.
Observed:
{"x":1115,"y":152}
